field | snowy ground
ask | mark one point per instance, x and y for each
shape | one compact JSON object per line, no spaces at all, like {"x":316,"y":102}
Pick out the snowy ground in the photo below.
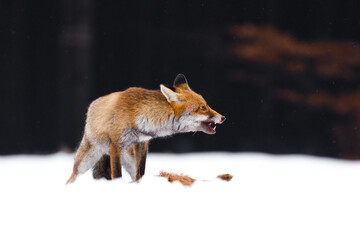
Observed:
{"x":270,"y":197}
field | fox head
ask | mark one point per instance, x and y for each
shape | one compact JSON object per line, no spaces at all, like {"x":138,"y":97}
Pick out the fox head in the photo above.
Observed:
{"x":192,"y":111}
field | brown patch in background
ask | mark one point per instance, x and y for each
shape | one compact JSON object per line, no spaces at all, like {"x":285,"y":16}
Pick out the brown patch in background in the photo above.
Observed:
{"x":346,"y":104}
{"x":270,"y":46}
{"x":318,"y":74}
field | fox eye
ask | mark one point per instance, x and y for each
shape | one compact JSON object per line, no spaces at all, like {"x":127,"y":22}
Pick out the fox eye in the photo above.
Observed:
{"x":203,"y":108}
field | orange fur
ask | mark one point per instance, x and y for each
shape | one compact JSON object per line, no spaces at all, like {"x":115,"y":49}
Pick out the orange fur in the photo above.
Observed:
{"x":114,"y":162}
{"x":188,"y":181}
{"x":183,"y":179}
{"x":225,"y":177}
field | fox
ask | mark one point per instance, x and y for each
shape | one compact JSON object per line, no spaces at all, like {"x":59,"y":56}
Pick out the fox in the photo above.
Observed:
{"x":120,"y":125}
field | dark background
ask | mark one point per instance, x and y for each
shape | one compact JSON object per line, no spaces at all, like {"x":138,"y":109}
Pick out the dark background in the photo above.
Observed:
{"x":284,"y":73}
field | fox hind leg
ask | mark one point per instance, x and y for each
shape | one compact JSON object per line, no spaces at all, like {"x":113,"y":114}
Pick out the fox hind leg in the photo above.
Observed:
{"x":86,"y":157}
{"x":82,"y":151}
{"x":102,"y":168}
{"x":142,"y":154}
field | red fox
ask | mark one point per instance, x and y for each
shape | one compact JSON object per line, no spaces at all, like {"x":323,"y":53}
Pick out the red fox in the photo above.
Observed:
{"x":121,"y":124}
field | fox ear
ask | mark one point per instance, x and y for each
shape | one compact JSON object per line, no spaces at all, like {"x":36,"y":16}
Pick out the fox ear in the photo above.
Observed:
{"x":170,"y":95}
{"x":181,"y":82}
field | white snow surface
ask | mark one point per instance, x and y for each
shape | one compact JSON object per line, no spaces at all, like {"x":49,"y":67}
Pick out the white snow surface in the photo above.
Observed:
{"x":270,"y":197}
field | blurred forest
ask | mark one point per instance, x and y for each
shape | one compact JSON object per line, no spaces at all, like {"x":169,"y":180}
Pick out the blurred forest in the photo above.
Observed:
{"x":284,"y":73}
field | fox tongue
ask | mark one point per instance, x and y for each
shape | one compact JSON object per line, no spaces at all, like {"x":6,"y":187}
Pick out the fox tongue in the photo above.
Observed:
{"x":212,"y":126}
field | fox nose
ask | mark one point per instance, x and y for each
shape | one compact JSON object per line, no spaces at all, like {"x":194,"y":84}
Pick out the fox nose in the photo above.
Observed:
{"x":223,"y":118}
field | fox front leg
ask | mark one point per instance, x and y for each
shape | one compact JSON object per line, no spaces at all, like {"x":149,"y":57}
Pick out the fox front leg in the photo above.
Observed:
{"x":115,"y":164}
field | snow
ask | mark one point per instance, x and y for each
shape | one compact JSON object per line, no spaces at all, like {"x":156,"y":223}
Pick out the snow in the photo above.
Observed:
{"x":270,"y":197}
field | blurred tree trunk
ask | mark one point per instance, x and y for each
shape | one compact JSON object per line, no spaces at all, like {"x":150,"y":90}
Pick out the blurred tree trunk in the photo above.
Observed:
{"x":75,"y":67}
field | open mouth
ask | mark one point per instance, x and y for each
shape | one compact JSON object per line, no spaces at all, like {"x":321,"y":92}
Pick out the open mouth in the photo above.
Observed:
{"x":209,"y":126}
